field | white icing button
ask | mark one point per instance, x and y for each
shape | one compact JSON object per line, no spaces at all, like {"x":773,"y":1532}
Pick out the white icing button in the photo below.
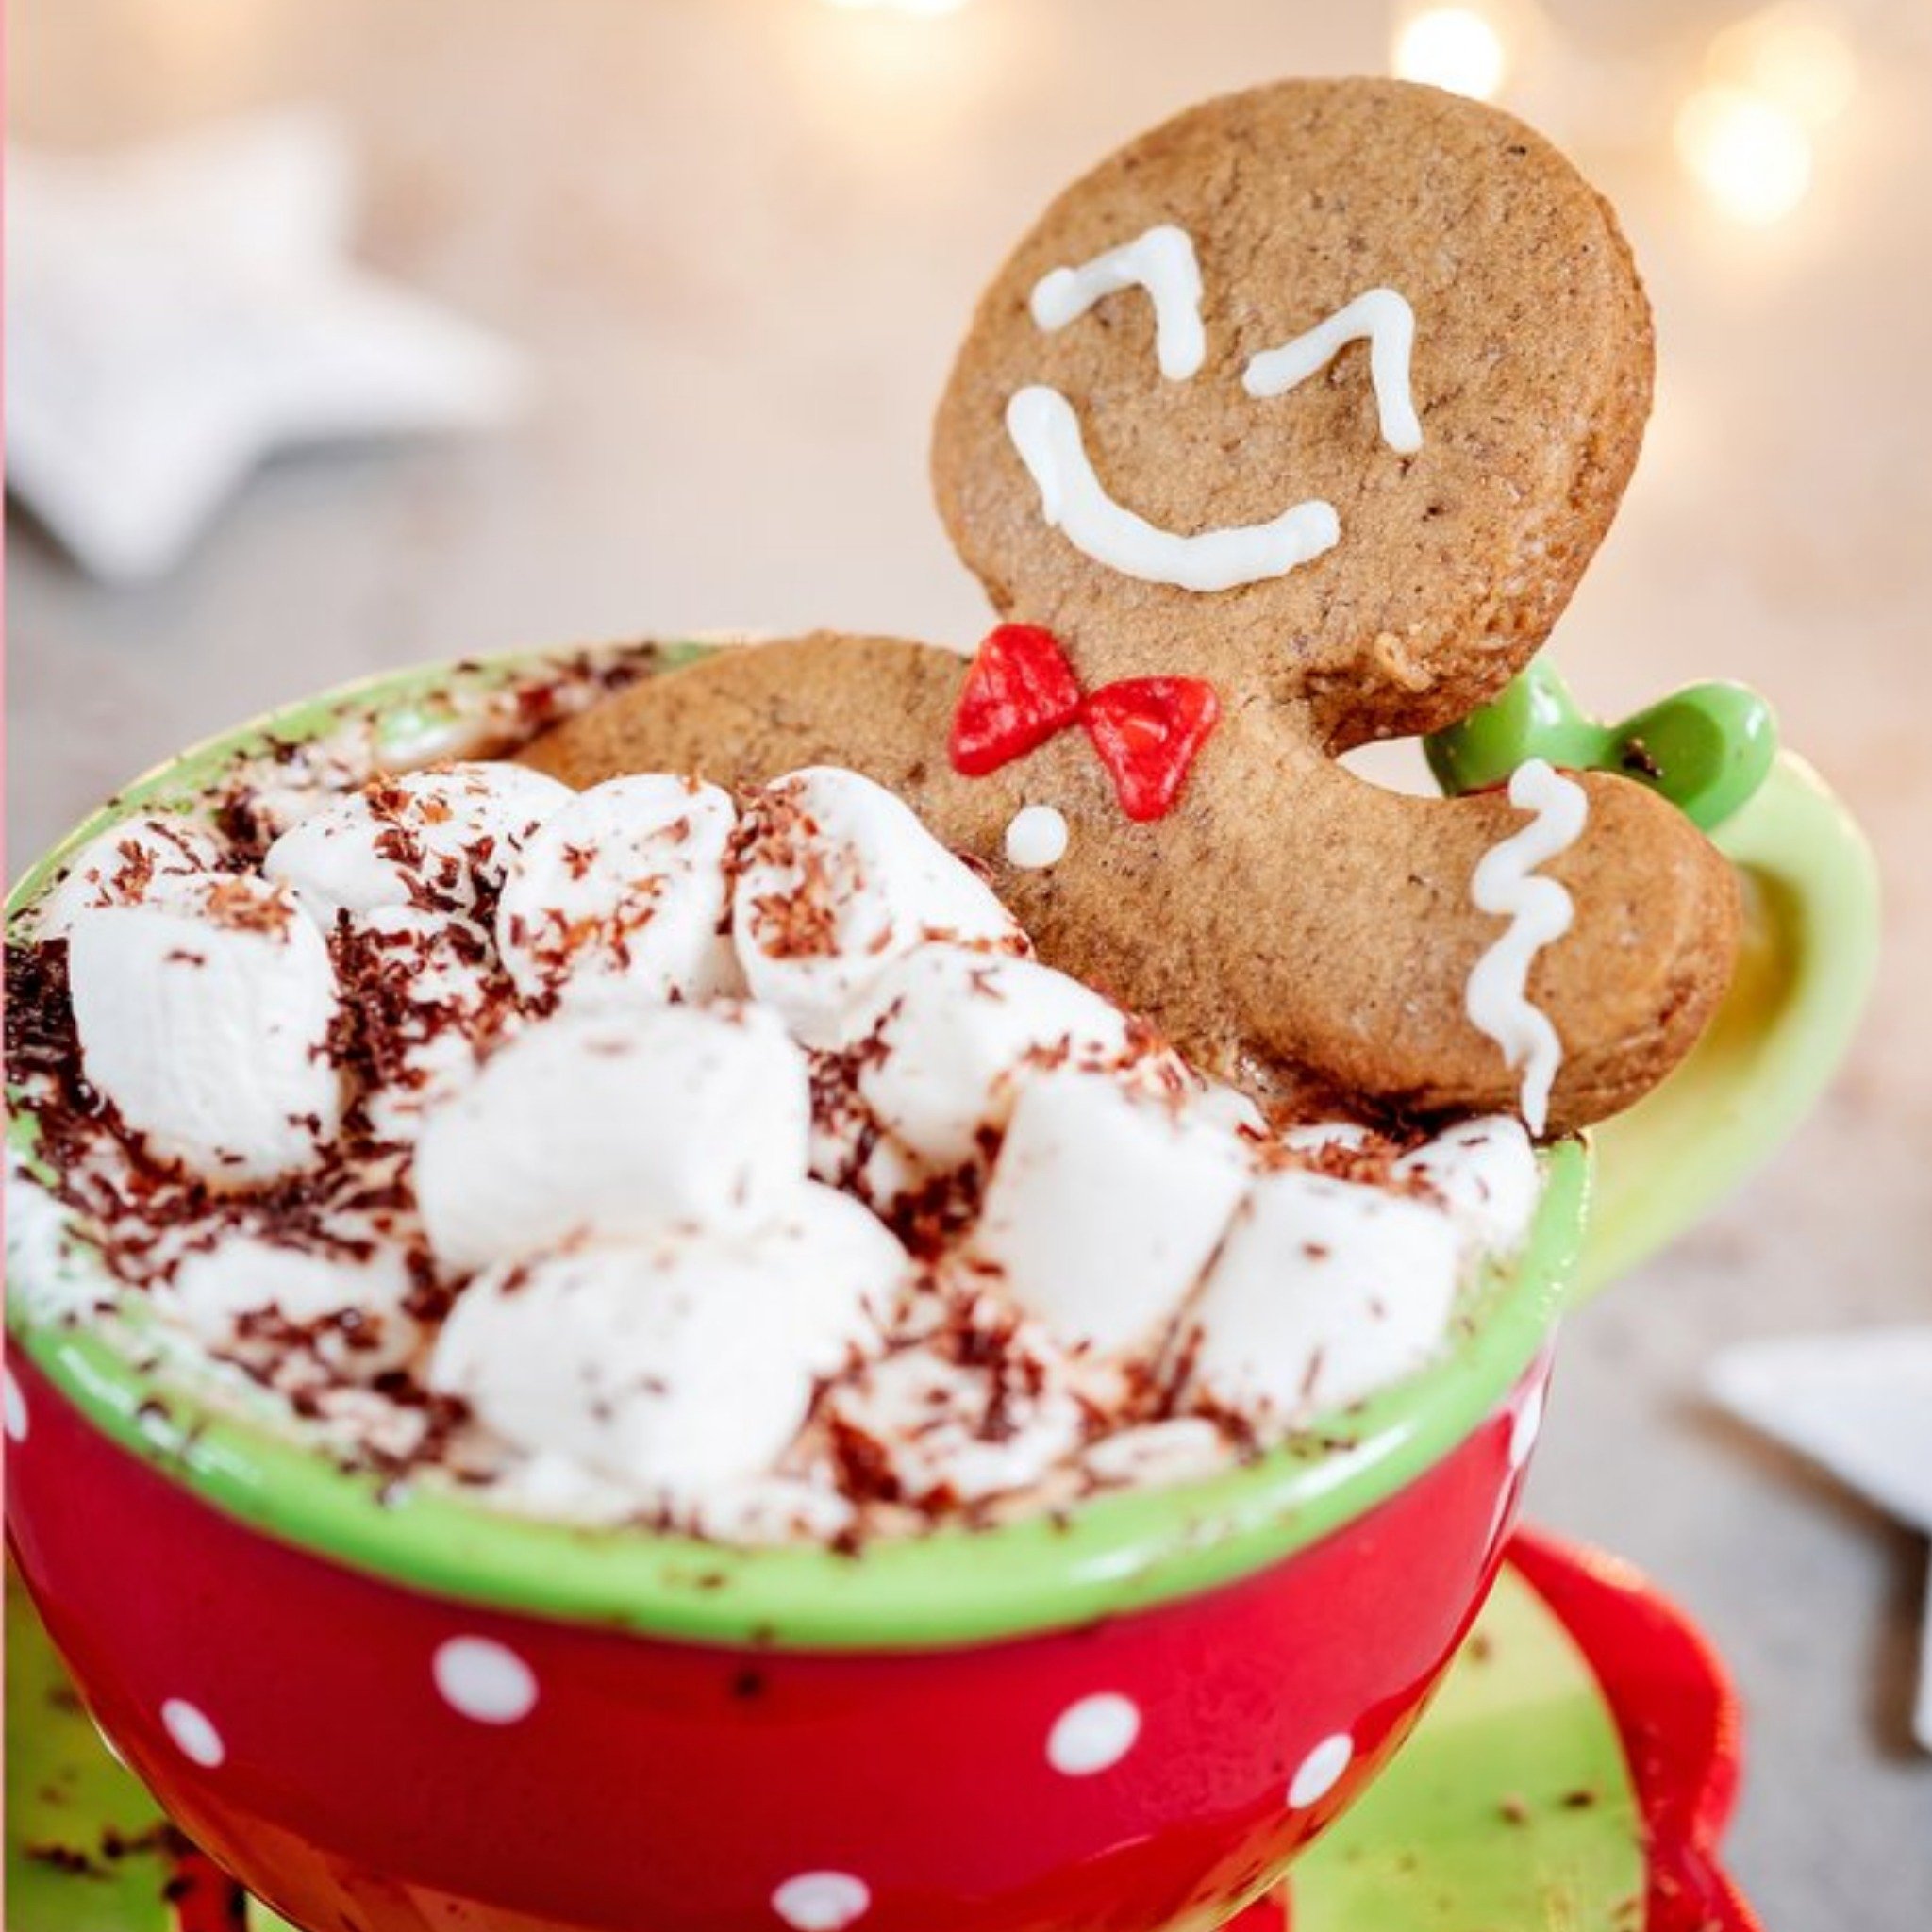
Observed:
{"x":195,"y":1736}
{"x":1093,"y":1734}
{"x":821,"y":1901}
{"x":12,"y":1407}
{"x":1321,"y":1769}
{"x":1037,"y":838}
{"x":482,"y":1680}
{"x":1525,"y":1425}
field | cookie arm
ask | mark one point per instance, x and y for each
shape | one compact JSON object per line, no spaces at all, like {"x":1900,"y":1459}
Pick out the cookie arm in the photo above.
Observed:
{"x":1363,"y":969}
{"x":878,"y":705}
{"x":1305,"y":918}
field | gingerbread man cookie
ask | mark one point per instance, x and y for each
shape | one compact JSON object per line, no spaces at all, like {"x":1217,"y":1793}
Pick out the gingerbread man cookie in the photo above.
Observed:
{"x":1290,"y":427}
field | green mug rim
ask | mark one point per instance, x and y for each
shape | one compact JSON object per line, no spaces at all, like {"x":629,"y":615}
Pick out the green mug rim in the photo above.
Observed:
{"x":953,"y":1586}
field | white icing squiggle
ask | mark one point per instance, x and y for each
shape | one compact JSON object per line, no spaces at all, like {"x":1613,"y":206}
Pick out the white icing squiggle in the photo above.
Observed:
{"x":1388,"y":323}
{"x":1163,"y":262}
{"x":1072,"y":499}
{"x":1539,"y":911}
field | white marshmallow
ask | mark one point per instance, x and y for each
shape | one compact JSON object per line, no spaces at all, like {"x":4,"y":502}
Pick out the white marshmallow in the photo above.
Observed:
{"x":674,"y":1366}
{"x":838,"y":878}
{"x":207,"y":1022}
{"x":621,"y":894}
{"x":1486,"y":1170}
{"x":935,"y":1427}
{"x":356,"y":1306}
{"x":1324,"y":1291}
{"x":945,"y":1039}
{"x":616,"y":1127}
{"x":424,"y":838}
{"x":841,"y":1271}
{"x":141,"y":861}
{"x":1104,"y":1208}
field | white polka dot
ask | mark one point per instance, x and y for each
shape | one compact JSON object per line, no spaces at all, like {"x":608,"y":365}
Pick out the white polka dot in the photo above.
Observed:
{"x":1525,"y":1425}
{"x":1036,"y":837}
{"x":1093,"y":1734}
{"x":13,"y":1407}
{"x":821,"y":1901}
{"x":196,"y":1739}
{"x":483,"y":1680}
{"x":1319,"y":1771}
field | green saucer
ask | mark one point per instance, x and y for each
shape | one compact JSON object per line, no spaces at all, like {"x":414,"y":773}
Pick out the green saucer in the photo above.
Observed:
{"x":1511,"y":1806}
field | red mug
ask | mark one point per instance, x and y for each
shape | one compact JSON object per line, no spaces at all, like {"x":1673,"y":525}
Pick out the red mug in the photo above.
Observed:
{"x":390,"y":1712}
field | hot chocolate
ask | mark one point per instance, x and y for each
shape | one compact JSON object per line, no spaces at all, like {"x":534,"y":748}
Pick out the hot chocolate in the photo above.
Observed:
{"x":724,"y":1162}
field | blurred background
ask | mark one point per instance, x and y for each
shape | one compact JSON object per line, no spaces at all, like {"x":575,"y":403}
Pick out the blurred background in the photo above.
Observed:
{"x":681,"y":279}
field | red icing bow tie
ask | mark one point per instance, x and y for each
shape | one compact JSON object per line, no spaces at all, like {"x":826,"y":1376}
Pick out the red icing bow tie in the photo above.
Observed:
{"x":1020,"y":691}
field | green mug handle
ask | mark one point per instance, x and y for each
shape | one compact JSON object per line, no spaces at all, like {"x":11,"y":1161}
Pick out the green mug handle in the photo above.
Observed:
{"x":1809,"y":953}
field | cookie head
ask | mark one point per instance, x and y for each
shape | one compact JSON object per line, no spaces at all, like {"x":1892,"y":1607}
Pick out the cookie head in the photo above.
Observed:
{"x":1325,"y":392}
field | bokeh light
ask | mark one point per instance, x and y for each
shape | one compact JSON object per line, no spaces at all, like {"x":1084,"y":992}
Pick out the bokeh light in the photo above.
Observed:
{"x":1465,"y":49}
{"x":927,"y":7}
{"x":1751,"y":157}
{"x":1792,"y":55}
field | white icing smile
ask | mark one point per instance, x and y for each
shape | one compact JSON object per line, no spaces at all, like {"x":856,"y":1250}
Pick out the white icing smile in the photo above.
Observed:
{"x":1072,"y":499}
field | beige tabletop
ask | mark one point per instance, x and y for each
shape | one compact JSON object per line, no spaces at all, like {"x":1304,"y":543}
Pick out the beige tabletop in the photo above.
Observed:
{"x":739,"y":238}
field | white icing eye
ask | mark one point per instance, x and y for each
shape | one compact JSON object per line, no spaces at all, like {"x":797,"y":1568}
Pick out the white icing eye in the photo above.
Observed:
{"x":1163,"y":262}
{"x":1387,"y":323}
